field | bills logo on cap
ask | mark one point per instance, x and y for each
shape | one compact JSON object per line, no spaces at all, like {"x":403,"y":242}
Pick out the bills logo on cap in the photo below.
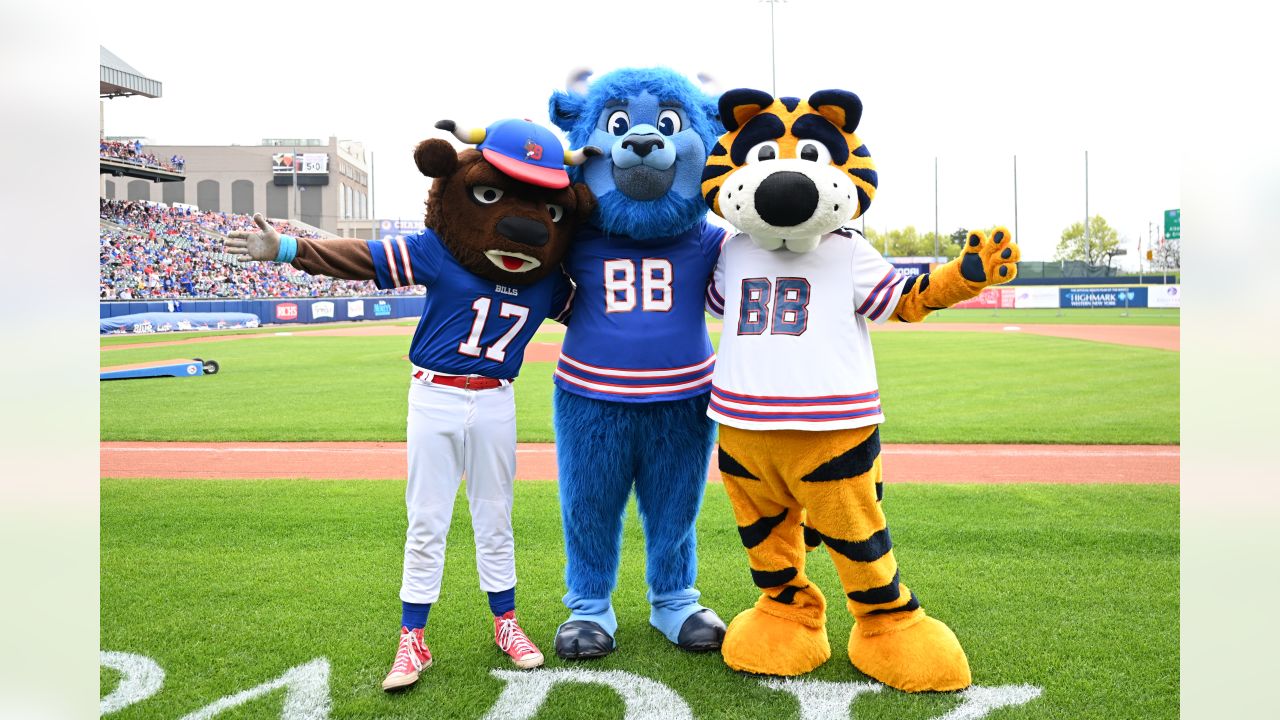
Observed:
{"x":523,"y":150}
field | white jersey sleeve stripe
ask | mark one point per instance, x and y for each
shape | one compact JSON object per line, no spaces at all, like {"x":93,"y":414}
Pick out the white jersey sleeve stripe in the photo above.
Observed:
{"x":391,"y":262}
{"x":875,"y":292}
{"x":408,"y":266}
{"x":888,"y":299}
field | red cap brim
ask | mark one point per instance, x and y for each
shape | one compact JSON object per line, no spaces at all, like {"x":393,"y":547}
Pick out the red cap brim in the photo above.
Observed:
{"x":524,"y":172}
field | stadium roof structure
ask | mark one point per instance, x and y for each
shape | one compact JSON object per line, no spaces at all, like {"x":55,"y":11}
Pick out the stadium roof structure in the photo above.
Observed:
{"x":118,"y":78}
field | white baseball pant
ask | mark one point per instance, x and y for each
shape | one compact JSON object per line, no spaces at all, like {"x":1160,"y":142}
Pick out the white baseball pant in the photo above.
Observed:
{"x":454,"y":433}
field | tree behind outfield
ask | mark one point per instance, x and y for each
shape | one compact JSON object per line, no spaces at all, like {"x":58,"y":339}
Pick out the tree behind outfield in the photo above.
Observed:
{"x":1102,"y":240}
{"x":909,"y":242}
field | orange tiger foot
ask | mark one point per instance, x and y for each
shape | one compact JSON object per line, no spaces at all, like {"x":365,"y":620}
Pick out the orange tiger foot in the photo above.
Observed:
{"x":757,"y":642}
{"x":914,"y":653}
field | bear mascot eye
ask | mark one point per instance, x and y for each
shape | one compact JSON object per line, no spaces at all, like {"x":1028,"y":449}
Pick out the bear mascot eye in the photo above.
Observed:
{"x":486,"y":195}
{"x":557,"y":212}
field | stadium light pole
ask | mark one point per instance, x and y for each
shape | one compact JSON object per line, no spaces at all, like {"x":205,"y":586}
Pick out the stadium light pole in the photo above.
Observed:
{"x":937,"y":249}
{"x":1086,"y":211}
{"x":1015,"y":198}
{"x":773,"y":66}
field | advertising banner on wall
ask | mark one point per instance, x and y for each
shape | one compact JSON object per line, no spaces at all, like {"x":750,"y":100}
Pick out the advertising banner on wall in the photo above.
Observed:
{"x":1164,"y":296}
{"x":322,"y":309}
{"x":911,"y":269}
{"x":286,"y":311}
{"x":355,"y":309}
{"x":399,"y":228}
{"x":1103,"y":297}
{"x":990,"y":298}
{"x":1036,"y":296}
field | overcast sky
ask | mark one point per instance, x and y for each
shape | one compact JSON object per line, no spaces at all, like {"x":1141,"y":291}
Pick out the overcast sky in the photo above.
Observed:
{"x":971,"y":83}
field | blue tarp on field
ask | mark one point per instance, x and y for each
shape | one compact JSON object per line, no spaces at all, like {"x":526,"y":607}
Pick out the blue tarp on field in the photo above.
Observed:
{"x":154,"y":322}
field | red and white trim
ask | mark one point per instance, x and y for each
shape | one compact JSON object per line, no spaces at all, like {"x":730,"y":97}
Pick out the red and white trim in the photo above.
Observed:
{"x":408,"y":266}
{"x":620,"y":373}
{"x":391,"y":262}
{"x":632,"y":390}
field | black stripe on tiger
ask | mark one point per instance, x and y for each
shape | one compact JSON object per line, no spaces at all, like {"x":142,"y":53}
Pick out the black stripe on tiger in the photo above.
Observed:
{"x":773,"y":578}
{"x":866,"y":175}
{"x":850,"y":464}
{"x":879,"y":490}
{"x":730,"y":465}
{"x":910,"y":605}
{"x":869,"y":550}
{"x":711,"y":197}
{"x":755,"y":533}
{"x":718,"y":150}
{"x":878,"y":595}
{"x":864,"y":200}
{"x":812,"y":538}
{"x":910,"y":283}
{"x":862,"y":151}
{"x":715,"y":171}
{"x":816,"y":127}
{"x":788,"y":594}
{"x":790,"y":103}
{"x":766,"y":126}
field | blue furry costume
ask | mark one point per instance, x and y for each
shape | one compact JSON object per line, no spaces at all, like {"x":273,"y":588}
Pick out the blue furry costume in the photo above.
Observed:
{"x":634,"y":375}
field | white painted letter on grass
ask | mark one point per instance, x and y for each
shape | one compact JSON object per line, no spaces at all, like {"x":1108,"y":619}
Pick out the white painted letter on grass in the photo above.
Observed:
{"x":978,"y":702}
{"x":822,"y":700}
{"x":306,"y":694}
{"x":643,"y":699}
{"x":140,"y":678}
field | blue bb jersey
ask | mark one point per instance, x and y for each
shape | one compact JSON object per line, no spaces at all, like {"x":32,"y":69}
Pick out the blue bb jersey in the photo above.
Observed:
{"x":469,"y":326}
{"x":638,"y":332}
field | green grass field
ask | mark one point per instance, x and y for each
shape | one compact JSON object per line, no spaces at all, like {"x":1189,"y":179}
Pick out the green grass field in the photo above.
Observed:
{"x":1066,"y":316}
{"x":938,"y":387}
{"x":226,"y":584}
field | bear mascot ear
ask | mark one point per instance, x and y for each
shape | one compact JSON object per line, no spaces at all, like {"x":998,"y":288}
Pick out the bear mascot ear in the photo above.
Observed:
{"x":435,"y":158}
{"x":841,"y":107}
{"x":738,"y":106}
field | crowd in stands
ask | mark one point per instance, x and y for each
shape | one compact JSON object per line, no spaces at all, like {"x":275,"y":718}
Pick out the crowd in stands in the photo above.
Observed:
{"x":132,"y":152}
{"x":159,"y":252}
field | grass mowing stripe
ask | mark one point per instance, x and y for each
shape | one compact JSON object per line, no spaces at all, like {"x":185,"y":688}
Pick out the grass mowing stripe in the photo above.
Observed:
{"x":937,"y":387}
{"x":228,"y":584}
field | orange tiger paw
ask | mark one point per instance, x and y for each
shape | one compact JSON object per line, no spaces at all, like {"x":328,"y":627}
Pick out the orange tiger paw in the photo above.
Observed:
{"x":990,"y":260}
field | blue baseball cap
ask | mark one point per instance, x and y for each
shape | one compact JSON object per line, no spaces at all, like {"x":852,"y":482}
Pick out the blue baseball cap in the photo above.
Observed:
{"x":526,"y":151}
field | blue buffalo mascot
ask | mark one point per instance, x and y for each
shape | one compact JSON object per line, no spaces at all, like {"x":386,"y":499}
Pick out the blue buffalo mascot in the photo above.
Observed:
{"x":634,"y":375}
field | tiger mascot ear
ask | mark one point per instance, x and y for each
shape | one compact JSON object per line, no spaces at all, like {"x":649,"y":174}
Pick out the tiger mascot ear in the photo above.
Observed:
{"x":841,"y":107}
{"x":740,"y":105}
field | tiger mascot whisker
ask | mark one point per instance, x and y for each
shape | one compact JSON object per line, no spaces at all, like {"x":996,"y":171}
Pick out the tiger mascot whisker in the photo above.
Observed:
{"x":795,"y":388}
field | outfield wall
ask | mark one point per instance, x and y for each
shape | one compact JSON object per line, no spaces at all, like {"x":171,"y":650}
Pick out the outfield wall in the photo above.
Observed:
{"x":1077,"y":296}
{"x":323,"y":310}
{"x":281,"y":310}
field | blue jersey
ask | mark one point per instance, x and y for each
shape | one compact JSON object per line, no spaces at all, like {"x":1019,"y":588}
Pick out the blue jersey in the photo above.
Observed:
{"x":638,"y":331}
{"x":469,"y":326}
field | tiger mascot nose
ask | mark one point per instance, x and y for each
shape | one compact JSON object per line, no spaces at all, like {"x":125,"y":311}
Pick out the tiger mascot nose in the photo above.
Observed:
{"x":786,"y":198}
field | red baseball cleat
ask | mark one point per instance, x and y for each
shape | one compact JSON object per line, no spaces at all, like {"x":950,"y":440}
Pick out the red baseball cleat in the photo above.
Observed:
{"x":412,"y":657}
{"x":513,"y":641}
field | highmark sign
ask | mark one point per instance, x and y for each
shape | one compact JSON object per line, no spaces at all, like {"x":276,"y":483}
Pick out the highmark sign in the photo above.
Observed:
{"x":1173,"y":224}
{"x":306,"y":693}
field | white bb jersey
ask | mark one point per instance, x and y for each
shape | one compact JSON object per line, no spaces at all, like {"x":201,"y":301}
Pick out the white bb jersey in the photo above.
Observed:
{"x":795,"y":352}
